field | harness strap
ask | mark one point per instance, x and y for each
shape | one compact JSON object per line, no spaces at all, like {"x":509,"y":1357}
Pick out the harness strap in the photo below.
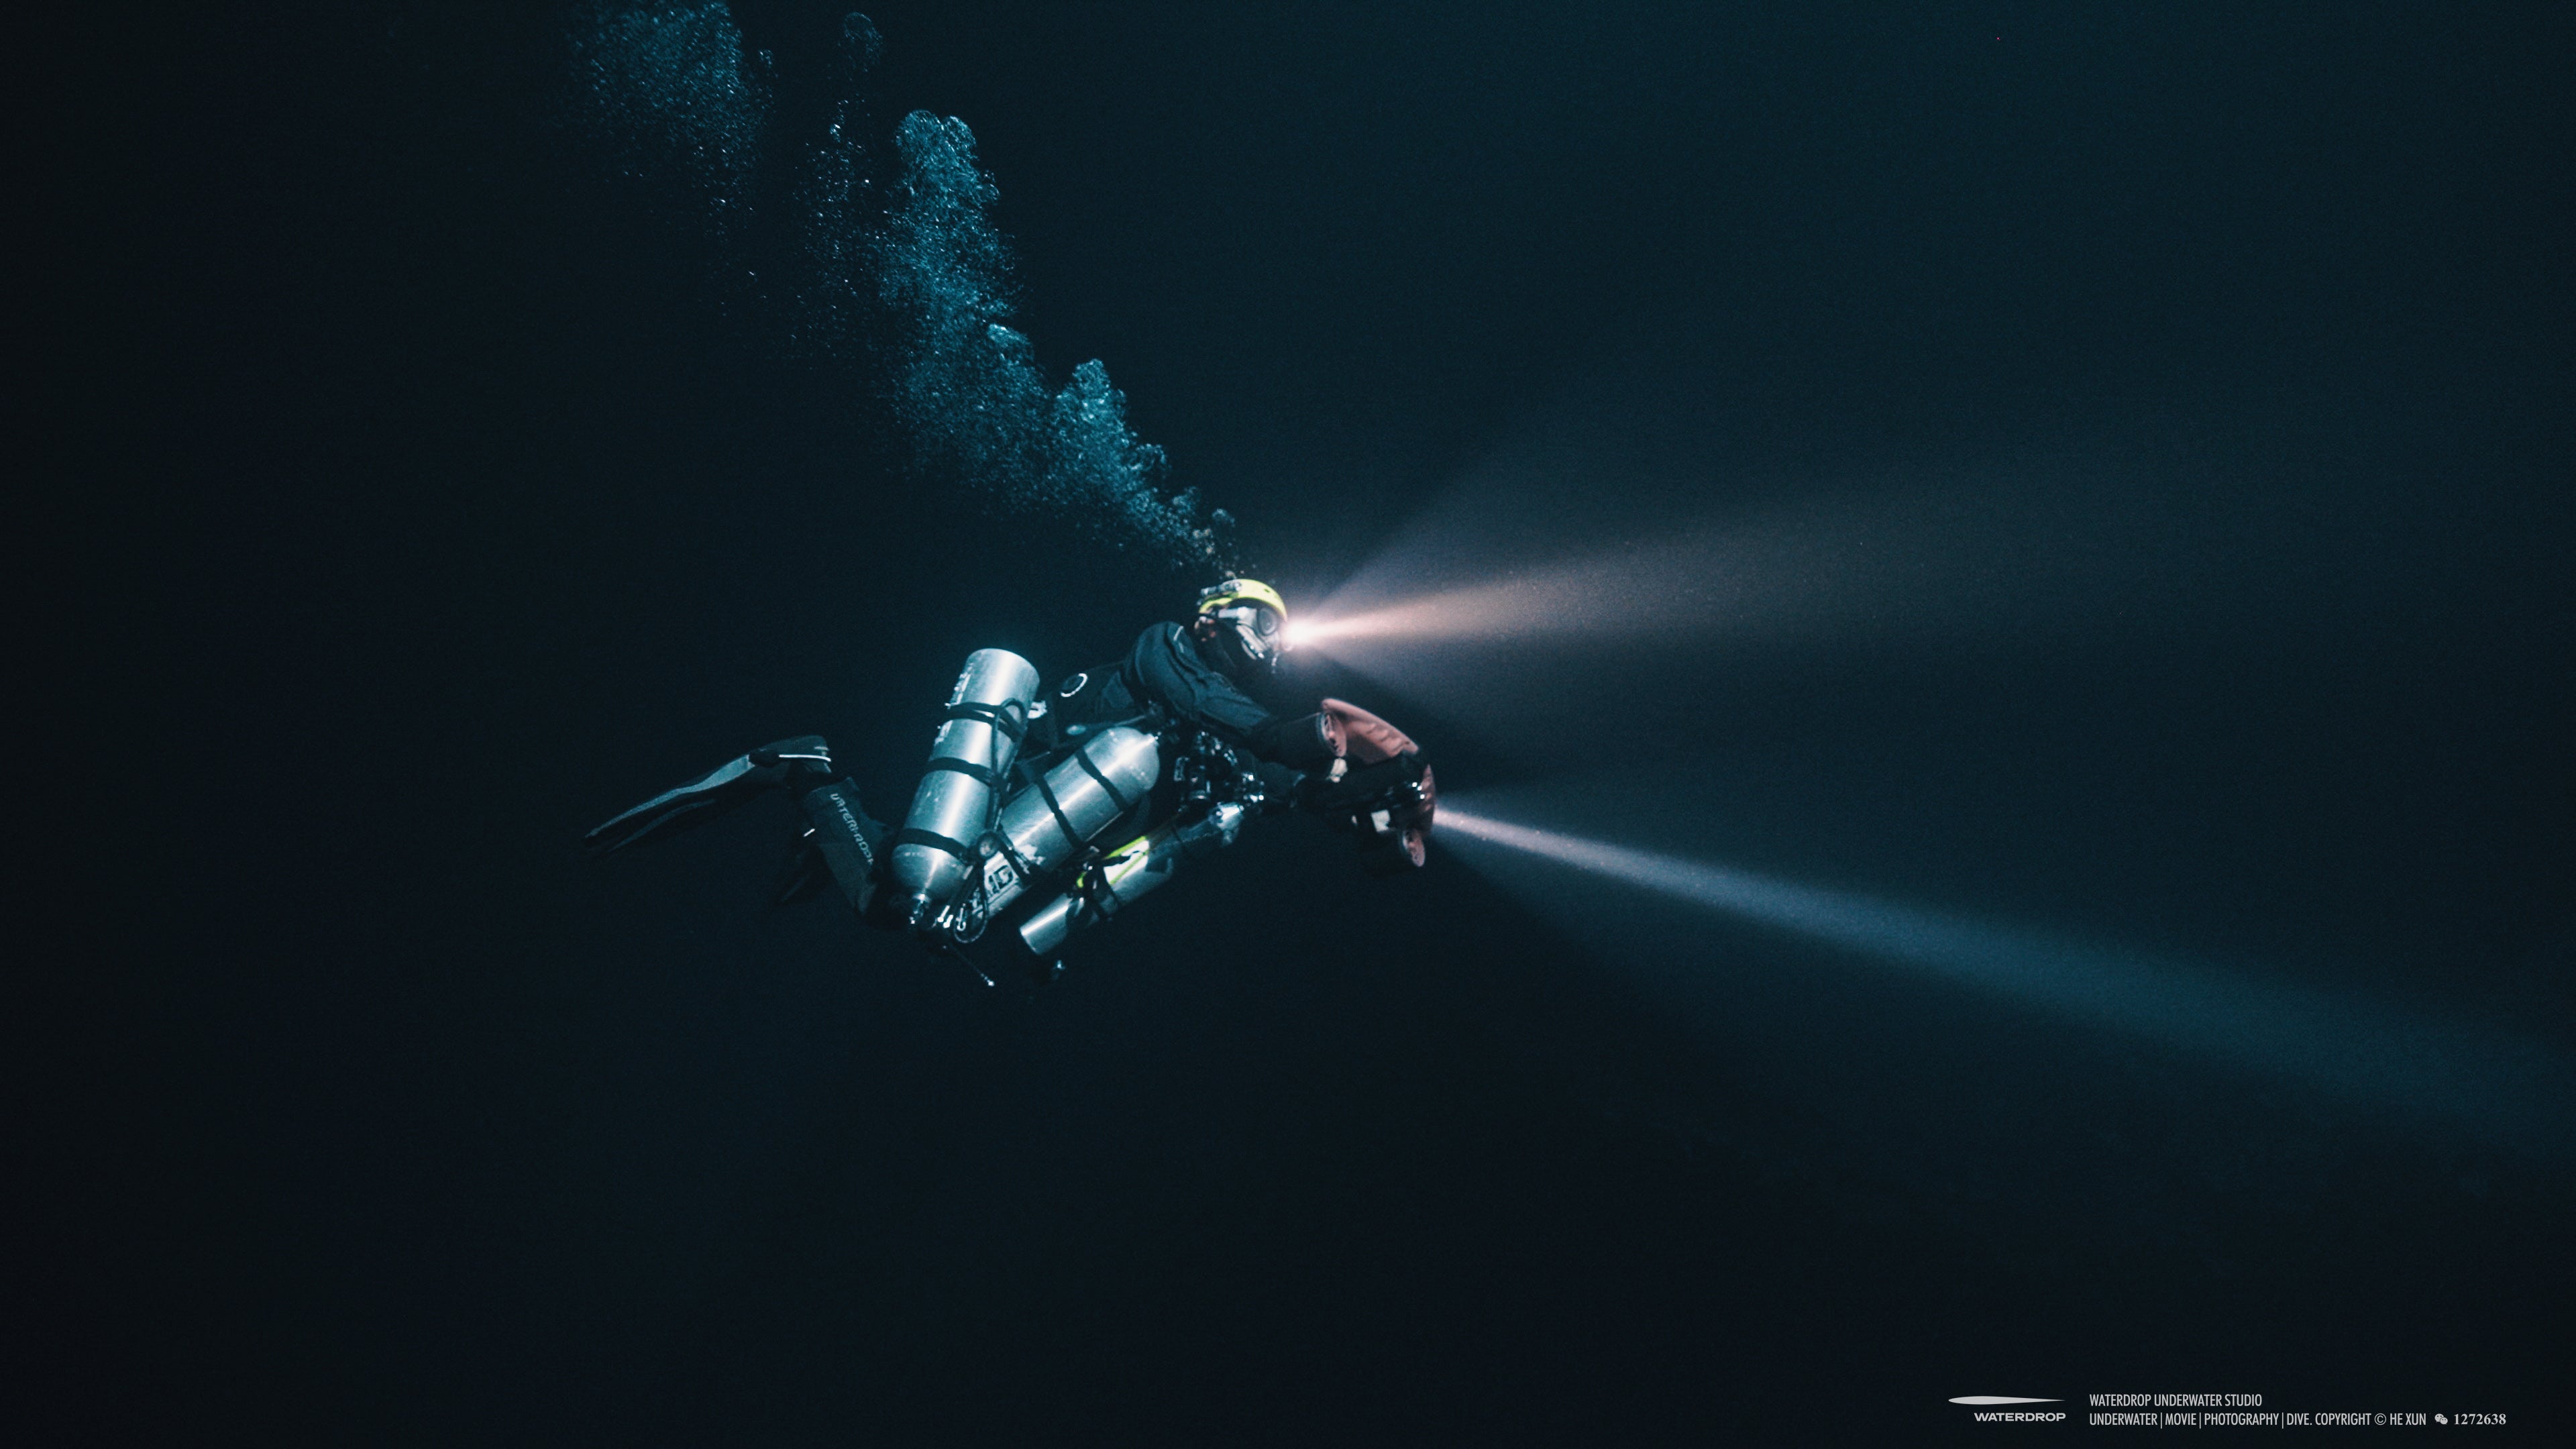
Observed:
{"x":936,"y":841}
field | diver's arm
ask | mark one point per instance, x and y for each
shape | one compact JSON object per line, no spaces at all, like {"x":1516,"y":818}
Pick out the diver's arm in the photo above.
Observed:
{"x":1167,"y":668}
{"x":1300,"y":742}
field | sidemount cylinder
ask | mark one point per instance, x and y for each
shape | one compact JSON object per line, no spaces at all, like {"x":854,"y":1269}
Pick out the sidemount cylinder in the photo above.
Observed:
{"x":987,"y":715}
{"x":1128,"y":872}
{"x":1049,"y":822}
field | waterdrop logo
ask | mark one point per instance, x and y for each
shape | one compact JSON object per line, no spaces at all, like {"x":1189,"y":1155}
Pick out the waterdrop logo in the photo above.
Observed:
{"x":1990,"y":1413}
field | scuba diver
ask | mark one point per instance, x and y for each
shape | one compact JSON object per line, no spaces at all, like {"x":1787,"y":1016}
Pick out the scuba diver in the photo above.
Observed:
{"x":1165,"y":752}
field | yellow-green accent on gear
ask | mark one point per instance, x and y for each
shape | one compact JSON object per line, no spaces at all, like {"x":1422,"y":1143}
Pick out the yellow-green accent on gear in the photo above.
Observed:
{"x":1237,"y":591}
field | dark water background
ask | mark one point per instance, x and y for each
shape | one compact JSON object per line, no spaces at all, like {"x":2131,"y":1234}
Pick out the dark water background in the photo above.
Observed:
{"x":441,"y":478}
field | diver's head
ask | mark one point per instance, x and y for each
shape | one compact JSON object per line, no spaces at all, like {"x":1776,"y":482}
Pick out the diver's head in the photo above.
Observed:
{"x":1243,"y":624}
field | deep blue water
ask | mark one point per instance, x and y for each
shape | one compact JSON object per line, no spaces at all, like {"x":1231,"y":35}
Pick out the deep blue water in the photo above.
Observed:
{"x":2120,"y":470}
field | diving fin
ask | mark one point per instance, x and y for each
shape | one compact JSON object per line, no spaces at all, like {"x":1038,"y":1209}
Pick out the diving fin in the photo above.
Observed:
{"x":714,"y":793}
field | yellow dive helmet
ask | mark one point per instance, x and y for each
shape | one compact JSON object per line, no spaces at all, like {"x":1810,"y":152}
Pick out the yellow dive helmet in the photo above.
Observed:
{"x":1248,"y":617}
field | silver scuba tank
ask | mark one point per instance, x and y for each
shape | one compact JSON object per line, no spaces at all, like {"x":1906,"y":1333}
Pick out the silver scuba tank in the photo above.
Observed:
{"x":1128,"y":872}
{"x":1046,"y":824}
{"x":988,"y":712}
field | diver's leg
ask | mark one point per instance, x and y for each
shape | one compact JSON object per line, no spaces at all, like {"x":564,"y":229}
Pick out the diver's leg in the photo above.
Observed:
{"x":842,"y":839}
{"x":787,"y":763}
{"x":805,"y":873}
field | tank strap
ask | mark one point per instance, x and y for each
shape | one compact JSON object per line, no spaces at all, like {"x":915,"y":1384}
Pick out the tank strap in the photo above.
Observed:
{"x":936,"y":841}
{"x":1012,"y":722}
{"x":961,"y":767}
{"x":1091,"y":886}
{"x":1072,"y":839}
{"x":1088,"y":768}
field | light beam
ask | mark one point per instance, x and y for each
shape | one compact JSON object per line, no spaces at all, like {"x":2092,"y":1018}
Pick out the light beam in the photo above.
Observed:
{"x":1678,"y":586}
{"x":2515,"y":1091}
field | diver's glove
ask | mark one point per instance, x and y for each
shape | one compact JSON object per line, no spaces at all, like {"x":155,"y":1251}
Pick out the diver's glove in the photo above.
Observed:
{"x":1349,"y":789}
{"x":1383,"y":793}
{"x":1387,"y":805}
{"x":1301,"y":742}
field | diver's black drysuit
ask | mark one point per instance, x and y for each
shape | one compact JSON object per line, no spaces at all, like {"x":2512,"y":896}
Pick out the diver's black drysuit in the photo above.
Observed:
{"x":1166,"y":681}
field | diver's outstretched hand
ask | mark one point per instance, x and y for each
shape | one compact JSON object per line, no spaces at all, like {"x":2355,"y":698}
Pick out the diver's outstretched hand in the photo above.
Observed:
{"x":712,"y":794}
{"x":1383,"y":792}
